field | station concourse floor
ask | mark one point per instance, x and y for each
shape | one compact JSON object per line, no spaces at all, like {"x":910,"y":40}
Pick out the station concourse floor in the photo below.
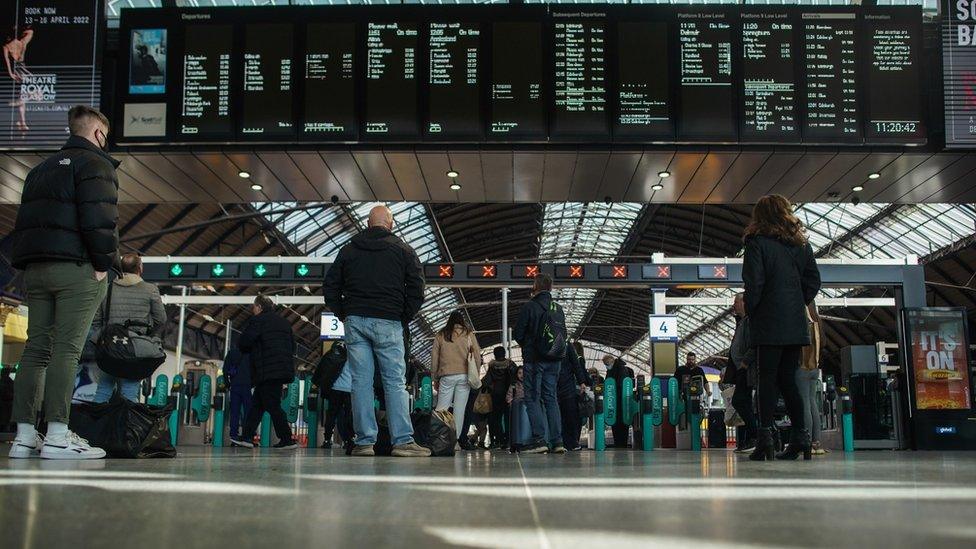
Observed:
{"x":238,"y":498}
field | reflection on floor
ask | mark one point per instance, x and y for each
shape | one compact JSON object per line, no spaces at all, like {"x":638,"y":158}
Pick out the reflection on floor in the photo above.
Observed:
{"x":239,"y":498}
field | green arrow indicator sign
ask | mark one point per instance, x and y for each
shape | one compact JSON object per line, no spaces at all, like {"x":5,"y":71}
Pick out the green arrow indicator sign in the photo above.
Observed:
{"x":260,"y":270}
{"x":217,"y":270}
{"x":302,"y":270}
{"x":176,"y":269}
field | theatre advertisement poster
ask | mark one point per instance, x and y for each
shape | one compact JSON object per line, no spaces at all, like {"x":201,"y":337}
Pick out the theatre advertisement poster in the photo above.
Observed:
{"x":50,"y":63}
{"x":939,"y":358}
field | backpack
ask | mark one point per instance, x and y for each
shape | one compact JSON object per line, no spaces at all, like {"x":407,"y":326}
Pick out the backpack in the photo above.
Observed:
{"x":551,"y":340}
{"x":330,"y":367}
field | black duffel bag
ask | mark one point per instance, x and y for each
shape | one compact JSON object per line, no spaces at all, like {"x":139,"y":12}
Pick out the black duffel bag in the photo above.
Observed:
{"x":125,"y":353}
{"x":330,"y":366}
{"x":124,"y":429}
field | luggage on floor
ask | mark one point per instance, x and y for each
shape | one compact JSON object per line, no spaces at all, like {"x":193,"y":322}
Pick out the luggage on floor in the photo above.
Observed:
{"x":716,"y":429}
{"x":435,"y":430}
{"x":124,"y":429}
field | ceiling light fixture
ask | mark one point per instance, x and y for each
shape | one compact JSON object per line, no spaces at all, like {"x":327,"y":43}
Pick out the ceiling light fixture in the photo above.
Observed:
{"x":256,"y":187}
{"x":874,"y":175}
{"x":244,"y":175}
{"x":455,"y":187}
{"x":664,"y":174}
{"x":452,"y":174}
{"x":857,"y":188}
{"x":657,"y":187}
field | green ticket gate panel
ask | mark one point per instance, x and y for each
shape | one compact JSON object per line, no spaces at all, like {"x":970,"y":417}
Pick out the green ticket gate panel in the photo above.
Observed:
{"x":312,"y":409}
{"x":599,"y":420}
{"x":610,"y":402}
{"x":626,"y":401}
{"x":201,"y":402}
{"x":651,"y":413}
{"x":676,"y":404}
{"x":176,"y":397}
{"x":160,"y":392}
{"x":219,"y":405}
{"x":425,"y":396}
{"x":847,"y":418}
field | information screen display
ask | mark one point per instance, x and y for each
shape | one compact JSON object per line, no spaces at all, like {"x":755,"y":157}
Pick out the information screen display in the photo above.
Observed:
{"x":939,"y":359}
{"x":454,"y":81}
{"x":705,"y":60}
{"x":518,"y":109}
{"x":768,"y":97}
{"x":580,"y":78}
{"x":51,"y":64}
{"x":205,"y":94}
{"x":643,"y":87}
{"x":391,"y":80}
{"x":330,"y":82}
{"x":267,"y":69}
{"x":959,"y":73}
{"x":147,"y":61}
{"x":894,"y":104}
{"x":830,"y":70}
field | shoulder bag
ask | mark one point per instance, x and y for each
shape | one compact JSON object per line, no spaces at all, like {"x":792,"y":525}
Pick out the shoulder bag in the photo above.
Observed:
{"x":124,"y":353}
{"x":474,"y":369}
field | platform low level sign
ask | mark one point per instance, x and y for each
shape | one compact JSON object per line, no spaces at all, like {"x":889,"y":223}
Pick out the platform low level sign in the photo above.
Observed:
{"x":768,"y":96}
{"x":705,"y":88}
{"x":959,"y":71}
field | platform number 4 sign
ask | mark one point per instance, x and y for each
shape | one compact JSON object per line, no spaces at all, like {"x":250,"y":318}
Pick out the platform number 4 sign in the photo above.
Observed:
{"x":663,"y":327}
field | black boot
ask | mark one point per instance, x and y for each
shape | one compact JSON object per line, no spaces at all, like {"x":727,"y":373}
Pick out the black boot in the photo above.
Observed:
{"x":764,"y":446}
{"x":800,"y":444}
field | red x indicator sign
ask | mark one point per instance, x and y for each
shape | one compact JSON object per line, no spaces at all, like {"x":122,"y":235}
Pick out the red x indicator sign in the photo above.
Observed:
{"x":446,"y":271}
{"x":620,"y":271}
{"x":531,"y":271}
{"x":488,"y":271}
{"x":575,"y":271}
{"x":721,"y":271}
{"x":482,"y":271}
{"x":656,"y":272}
{"x":664,"y":271}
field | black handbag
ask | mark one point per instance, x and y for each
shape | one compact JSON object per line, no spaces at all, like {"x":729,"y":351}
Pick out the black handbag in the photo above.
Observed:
{"x":124,"y":353}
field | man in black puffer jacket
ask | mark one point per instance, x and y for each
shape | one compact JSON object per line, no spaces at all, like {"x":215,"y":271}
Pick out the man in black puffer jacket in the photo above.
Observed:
{"x":66,"y":239}
{"x":271,"y":346}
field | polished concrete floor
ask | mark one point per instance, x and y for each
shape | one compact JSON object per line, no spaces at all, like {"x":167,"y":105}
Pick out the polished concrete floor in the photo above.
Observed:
{"x":239,"y":498}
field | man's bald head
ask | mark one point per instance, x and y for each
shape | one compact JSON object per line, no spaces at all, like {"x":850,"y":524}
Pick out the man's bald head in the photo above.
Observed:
{"x":381,"y":216}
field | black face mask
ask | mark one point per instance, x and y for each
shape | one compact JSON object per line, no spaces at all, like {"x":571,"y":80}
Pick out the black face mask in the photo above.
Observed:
{"x":103,"y":144}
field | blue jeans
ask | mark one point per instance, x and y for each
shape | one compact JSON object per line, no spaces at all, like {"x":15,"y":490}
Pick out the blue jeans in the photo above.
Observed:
{"x":372,"y":343}
{"x":240,"y":405}
{"x":540,"y":396}
{"x":107,"y":384}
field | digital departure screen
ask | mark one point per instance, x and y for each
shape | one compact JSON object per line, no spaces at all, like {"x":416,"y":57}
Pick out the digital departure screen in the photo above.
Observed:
{"x":830,"y":70}
{"x":206,"y":89}
{"x":585,"y":75}
{"x":768,"y":97}
{"x":267,"y":106}
{"x":518,"y":109}
{"x":894,"y":106}
{"x":580,"y":83}
{"x":643,"y":87}
{"x":330,"y":82}
{"x":454,"y":81}
{"x":705,"y":91}
{"x":391,"y":80}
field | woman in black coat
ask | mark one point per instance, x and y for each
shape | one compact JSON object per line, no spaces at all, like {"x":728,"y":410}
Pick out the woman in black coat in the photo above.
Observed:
{"x":781,"y":277}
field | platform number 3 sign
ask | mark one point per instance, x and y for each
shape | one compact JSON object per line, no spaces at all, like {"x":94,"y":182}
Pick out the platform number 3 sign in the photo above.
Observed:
{"x":332,"y":327}
{"x":663,"y":327}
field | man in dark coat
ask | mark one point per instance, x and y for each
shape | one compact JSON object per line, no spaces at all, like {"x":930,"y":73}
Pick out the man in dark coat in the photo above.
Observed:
{"x":618,"y":370}
{"x":572,"y":379}
{"x":269,"y":341}
{"x":376,"y":287}
{"x":66,"y":239}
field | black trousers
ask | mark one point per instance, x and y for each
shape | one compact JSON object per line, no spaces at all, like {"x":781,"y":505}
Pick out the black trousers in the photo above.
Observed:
{"x":777,"y":375}
{"x":742,"y":402}
{"x":499,"y":410}
{"x":572,"y":422}
{"x":620,"y":432}
{"x":338,"y":416}
{"x":468,"y":417}
{"x":267,"y":398}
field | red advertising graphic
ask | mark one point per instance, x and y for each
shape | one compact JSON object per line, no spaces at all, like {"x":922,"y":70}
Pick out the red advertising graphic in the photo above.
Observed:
{"x":939,"y":361}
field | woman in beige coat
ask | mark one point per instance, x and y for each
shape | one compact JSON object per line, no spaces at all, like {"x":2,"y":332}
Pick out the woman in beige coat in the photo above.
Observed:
{"x":449,"y":367}
{"x":808,"y":378}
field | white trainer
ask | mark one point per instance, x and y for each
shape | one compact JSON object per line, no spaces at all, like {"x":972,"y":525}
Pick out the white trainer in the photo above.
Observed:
{"x":71,"y":446}
{"x":26,"y":448}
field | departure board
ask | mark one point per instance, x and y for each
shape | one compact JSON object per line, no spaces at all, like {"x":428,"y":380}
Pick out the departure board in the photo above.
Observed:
{"x":830,"y":70}
{"x":391,"y":80}
{"x":268,"y":61}
{"x":206,"y":81}
{"x":580,"y":78}
{"x":643,"y":87}
{"x":454,"y":81}
{"x":518,"y":109}
{"x":705,"y":90}
{"x":330,"y":82}
{"x":894,"y":106}
{"x":768,"y":97}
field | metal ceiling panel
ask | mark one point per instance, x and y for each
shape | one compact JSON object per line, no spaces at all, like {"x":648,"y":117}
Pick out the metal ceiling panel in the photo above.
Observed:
{"x":161,"y":171}
{"x":435,"y":165}
{"x":891,"y":174}
{"x":618,"y":174}
{"x":924,"y":171}
{"x":857,"y":175}
{"x":345,"y":169}
{"x":373,"y":166}
{"x":317,"y":172}
{"x":558,"y":176}
{"x":529,"y":170}
{"x":711,"y":171}
{"x":936,"y":187}
{"x":468,"y":166}
{"x":736,"y":177}
{"x":772,"y":170}
{"x":260,"y":174}
{"x":200,"y":172}
{"x":645,"y":175}
{"x":682,"y":168}
{"x":290,"y":176}
{"x":498,"y":175}
{"x":839,"y":165}
{"x":409,"y":178}
{"x":587,"y":176}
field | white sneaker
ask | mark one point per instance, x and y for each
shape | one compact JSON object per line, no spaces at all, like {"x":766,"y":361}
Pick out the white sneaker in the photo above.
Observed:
{"x":71,"y":446}
{"x":23,"y":449}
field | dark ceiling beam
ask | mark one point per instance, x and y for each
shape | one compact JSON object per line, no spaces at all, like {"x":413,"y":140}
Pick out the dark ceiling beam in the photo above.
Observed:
{"x":195,"y":235}
{"x":169,"y":224}
{"x":136,"y":219}
{"x":192,"y":226}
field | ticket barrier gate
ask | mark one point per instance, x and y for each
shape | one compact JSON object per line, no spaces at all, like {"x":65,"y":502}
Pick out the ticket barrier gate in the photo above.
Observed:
{"x":178,"y":402}
{"x":198,"y":394}
{"x":220,"y":401}
{"x":424,"y":399}
{"x":651,"y":412}
{"x":160,"y":392}
{"x":604,"y":412}
{"x":685,"y":410}
{"x":314,"y":404}
{"x":290,"y":404}
{"x":847,"y":418}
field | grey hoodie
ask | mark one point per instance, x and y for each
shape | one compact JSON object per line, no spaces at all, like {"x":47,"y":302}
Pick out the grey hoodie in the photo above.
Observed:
{"x":133,"y":299}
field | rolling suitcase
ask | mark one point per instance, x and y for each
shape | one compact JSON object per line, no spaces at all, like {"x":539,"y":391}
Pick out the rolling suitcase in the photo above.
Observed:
{"x":521,"y":428}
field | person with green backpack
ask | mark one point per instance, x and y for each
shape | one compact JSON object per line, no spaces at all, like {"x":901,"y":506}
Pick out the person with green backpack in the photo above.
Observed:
{"x":541,"y":332}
